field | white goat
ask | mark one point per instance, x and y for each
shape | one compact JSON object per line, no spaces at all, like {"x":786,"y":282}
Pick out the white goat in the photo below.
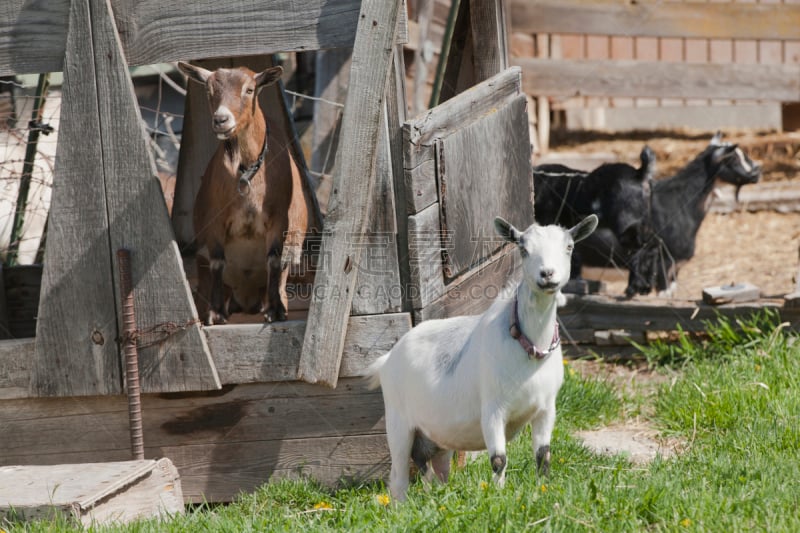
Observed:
{"x":473,"y":382}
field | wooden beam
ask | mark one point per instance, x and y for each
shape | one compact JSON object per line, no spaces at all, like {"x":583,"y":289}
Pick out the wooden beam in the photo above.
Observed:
{"x":565,"y":78}
{"x":350,"y":198}
{"x":33,"y":34}
{"x":138,"y":221}
{"x":77,"y":314}
{"x":488,"y":25}
{"x":657,"y":19}
{"x":245,"y":353}
{"x":222,"y":442}
{"x":604,"y":313}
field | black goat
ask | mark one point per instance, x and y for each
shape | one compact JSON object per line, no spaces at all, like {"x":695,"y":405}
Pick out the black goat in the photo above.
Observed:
{"x":618,"y":193}
{"x":678,"y":207}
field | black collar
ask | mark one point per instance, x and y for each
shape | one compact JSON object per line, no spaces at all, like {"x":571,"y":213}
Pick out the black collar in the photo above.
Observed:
{"x":246,"y":173}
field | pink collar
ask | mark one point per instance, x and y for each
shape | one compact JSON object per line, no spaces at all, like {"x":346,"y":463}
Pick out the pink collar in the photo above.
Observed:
{"x":516,"y":332}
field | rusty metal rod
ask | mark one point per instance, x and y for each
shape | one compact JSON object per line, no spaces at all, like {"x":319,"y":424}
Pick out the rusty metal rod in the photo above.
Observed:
{"x":131,"y":354}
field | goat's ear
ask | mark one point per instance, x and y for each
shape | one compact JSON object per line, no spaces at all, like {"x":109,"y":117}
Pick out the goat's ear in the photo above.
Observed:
{"x":716,"y":140}
{"x":506,"y":230}
{"x":198,"y":74}
{"x":269,"y":76}
{"x":648,"y":159}
{"x":584,"y":228}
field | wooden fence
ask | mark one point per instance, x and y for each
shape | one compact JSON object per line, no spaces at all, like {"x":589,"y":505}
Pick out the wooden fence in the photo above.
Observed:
{"x":614,"y":52}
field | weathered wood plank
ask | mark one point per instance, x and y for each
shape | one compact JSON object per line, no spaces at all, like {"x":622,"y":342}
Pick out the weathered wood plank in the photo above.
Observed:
{"x":473,"y":292}
{"x":93,"y":493}
{"x":244,"y":353}
{"x":256,"y":353}
{"x":222,"y":442}
{"x":395,"y":116}
{"x":22,"y":292}
{"x":377,"y":288}
{"x":568,"y":78}
{"x":352,"y":186}
{"x":603,"y":313}
{"x":657,"y":19}
{"x":425,"y":256}
{"x":77,"y":313}
{"x":254,"y":412}
{"x":458,"y":72}
{"x":33,"y":34}
{"x":497,"y":145}
{"x":488,"y":23}
{"x":420,"y":134}
{"x":5,"y":332}
{"x":219,"y":472}
{"x":139,"y":221}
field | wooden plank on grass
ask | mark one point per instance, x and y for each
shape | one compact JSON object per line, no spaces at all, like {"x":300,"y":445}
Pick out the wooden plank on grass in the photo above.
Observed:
{"x":568,"y":78}
{"x":93,"y":493}
{"x":657,"y":19}
{"x":350,"y":197}
{"x":139,"y":222}
{"x":76,"y":331}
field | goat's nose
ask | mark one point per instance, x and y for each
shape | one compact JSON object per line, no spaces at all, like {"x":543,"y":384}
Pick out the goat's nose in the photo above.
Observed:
{"x":547,"y":273}
{"x":220,"y":120}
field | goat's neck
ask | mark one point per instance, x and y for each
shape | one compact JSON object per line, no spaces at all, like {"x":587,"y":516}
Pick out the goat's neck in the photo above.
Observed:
{"x":537,"y":315}
{"x":245,"y":147}
{"x":696,"y":180}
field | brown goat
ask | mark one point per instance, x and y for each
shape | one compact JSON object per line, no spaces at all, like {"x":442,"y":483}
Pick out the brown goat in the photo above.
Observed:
{"x":251,"y":205}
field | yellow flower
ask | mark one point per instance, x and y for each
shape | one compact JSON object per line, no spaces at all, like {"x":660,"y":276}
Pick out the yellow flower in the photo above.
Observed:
{"x":571,"y":372}
{"x":383,"y":499}
{"x":322,"y":505}
{"x":566,"y":363}
{"x":686,"y":522}
{"x":758,"y":368}
{"x":442,"y":508}
{"x":544,"y":488}
{"x":561,"y":460}
{"x":484,"y":485}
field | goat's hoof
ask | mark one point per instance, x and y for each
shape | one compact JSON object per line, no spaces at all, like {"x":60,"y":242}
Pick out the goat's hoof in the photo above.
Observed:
{"x":215,"y":319}
{"x":275,"y":315}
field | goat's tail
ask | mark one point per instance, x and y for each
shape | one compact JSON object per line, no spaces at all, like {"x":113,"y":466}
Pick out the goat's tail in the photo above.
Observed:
{"x":373,"y":372}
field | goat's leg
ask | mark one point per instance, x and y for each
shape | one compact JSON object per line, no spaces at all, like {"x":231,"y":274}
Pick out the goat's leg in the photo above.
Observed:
{"x":541,"y":433}
{"x":217,"y":313}
{"x":210,"y":287}
{"x":401,"y":439}
{"x":275,"y":307}
{"x":493,"y":425}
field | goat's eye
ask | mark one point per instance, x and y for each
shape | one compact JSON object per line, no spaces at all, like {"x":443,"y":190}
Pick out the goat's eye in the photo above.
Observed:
{"x":569,"y":248}
{"x":250,"y":90}
{"x":523,"y":252}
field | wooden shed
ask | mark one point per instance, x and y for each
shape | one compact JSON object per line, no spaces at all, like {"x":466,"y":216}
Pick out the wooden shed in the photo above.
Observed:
{"x":238,"y":405}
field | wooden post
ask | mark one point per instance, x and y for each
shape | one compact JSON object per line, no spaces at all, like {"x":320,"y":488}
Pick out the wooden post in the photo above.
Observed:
{"x":489,"y":38}
{"x":106,"y":161}
{"x":76,"y":352}
{"x":350,"y":198}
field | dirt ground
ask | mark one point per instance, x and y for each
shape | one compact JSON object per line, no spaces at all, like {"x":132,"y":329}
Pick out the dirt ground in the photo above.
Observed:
{"x":756,"y":247}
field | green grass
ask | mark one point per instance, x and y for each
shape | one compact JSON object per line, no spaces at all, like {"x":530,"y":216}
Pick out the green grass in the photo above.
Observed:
{"x":734,"y":402}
